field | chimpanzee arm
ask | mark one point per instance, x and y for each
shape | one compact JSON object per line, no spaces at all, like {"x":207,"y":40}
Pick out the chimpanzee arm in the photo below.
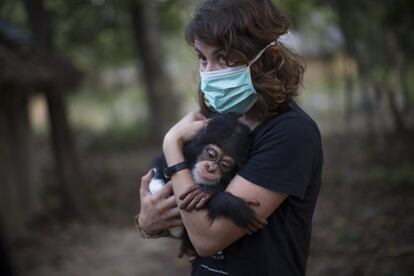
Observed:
{"x":224,"y":204}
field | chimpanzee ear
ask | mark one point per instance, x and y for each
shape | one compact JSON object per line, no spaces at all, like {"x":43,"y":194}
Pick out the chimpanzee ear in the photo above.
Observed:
{"x":192,"y":150}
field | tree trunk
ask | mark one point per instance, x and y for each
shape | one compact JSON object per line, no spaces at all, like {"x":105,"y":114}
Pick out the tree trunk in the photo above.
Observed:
{"x":66,"y":158}
{"x":39,"y":20}
{"x":20,"y":134}
{"x":399,"y":123}
{"x":367,"y":106}
{"x":9,"y":208}
{"x":19,"y":195}
{"x":348,"y":96}
{"x":405,"y":79}
{"x":6,"y":263}
{"x":162,"y":102}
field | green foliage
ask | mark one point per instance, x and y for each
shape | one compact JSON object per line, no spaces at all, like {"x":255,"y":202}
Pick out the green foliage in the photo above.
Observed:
{"x":95,"y":30}
{"x":296,"y":10}
{"x":172,"y":15}
{"x":399,"y":175}
{"x":12,"y":11}
{"x":103,"y":29}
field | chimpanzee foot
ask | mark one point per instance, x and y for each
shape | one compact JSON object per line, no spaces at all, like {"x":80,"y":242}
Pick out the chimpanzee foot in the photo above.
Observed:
{"x":255,"y":225}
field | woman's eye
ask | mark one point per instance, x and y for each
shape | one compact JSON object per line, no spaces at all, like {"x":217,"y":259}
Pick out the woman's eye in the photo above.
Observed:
{"x":202,"y":59}
{"x":222,"y":59}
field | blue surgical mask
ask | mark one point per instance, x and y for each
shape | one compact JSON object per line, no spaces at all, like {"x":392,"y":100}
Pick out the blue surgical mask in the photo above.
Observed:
{"x":230,"y":90}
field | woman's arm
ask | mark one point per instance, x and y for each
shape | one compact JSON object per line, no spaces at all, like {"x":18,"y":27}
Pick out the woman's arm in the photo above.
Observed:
{"x":207,"y":236}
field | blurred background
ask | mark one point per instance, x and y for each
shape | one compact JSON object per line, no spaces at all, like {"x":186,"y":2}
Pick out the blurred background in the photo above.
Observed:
{"x":89,"y":87}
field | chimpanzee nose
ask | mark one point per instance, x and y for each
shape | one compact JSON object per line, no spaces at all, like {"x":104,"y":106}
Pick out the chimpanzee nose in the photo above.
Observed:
{"x":211,"y":166}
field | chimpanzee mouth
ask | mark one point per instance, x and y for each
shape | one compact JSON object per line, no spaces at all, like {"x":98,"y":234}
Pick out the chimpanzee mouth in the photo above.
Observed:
{"x":201,"y":179}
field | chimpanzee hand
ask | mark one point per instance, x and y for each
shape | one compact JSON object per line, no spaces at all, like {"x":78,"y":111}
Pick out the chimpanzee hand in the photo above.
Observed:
{"x":193,"y":198}
{"x":257,"y":223}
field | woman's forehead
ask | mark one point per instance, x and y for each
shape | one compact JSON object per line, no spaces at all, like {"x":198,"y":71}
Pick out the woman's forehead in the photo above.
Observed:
{"x":204,"y":48}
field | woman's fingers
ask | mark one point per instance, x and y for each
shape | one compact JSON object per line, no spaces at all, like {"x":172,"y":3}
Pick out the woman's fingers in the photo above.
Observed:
{"x":145,"y":180}
{"x":174,"y":223}
{"x":168,"y":203}
{"x":173,"y":213}
{"x":190,"y":118}
{"x":194,"y":116}
{"x":186,"y":128}
{"x":165,"y":191}
{"x":191,"y":259}
{"x":199,"y":117}
{"x":188,"y":131}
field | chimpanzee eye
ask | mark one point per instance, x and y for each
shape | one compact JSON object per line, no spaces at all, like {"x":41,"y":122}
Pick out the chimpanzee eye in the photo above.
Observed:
{"x":226,"y":166}
{"x":210,"y":154}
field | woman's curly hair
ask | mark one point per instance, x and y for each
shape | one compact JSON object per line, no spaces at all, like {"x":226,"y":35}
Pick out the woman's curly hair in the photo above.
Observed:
{"x":241,"y":28}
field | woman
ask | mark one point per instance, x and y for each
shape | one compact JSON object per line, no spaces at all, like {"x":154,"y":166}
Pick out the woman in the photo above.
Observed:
{"x":245,"y":70}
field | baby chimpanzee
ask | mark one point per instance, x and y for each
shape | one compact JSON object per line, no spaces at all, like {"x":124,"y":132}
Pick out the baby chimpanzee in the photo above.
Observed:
{"x":214,"y":155}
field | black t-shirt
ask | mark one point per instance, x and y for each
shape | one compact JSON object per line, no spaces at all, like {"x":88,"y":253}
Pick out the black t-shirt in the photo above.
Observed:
{"x":286,"y":156}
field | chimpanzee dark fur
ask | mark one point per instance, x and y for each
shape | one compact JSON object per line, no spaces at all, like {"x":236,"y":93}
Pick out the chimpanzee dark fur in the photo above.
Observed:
{"x":233,"y":137}
{"x":226,"y":132}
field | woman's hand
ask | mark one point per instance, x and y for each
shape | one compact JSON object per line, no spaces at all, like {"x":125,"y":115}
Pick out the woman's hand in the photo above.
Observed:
{"x":158,"y":212}
{"x":185,"y":129}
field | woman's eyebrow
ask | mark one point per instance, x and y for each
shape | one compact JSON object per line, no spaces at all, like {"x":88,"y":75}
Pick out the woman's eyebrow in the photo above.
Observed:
{"x":198,"y":51}
{"x":218,"y":51}
{"x":215,"y":52}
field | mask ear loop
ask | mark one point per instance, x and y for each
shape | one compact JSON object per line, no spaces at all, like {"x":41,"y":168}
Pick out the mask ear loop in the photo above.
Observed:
{"x":273,"y":43}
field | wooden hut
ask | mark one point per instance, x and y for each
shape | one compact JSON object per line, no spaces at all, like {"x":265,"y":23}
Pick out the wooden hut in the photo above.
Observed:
{"x":24,"y":71}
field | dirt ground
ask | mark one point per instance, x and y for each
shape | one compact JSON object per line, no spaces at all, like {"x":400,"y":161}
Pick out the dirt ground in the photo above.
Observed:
{"x":361,"y":227}
{"x":101,"y":250}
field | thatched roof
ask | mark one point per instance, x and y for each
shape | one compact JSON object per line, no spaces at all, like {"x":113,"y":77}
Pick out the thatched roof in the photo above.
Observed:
{"x":22,"y":65}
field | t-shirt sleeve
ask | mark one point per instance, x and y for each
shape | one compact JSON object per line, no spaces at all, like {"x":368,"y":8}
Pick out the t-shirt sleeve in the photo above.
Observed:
{"x":281,"y":159}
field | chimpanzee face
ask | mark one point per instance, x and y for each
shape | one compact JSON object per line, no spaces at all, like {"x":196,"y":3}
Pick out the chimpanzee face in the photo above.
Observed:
{"x":212,"y":165}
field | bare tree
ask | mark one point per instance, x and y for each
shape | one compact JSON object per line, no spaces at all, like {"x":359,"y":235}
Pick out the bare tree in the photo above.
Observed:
{"x":67,"y":161}
{"x":162,"y":102}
